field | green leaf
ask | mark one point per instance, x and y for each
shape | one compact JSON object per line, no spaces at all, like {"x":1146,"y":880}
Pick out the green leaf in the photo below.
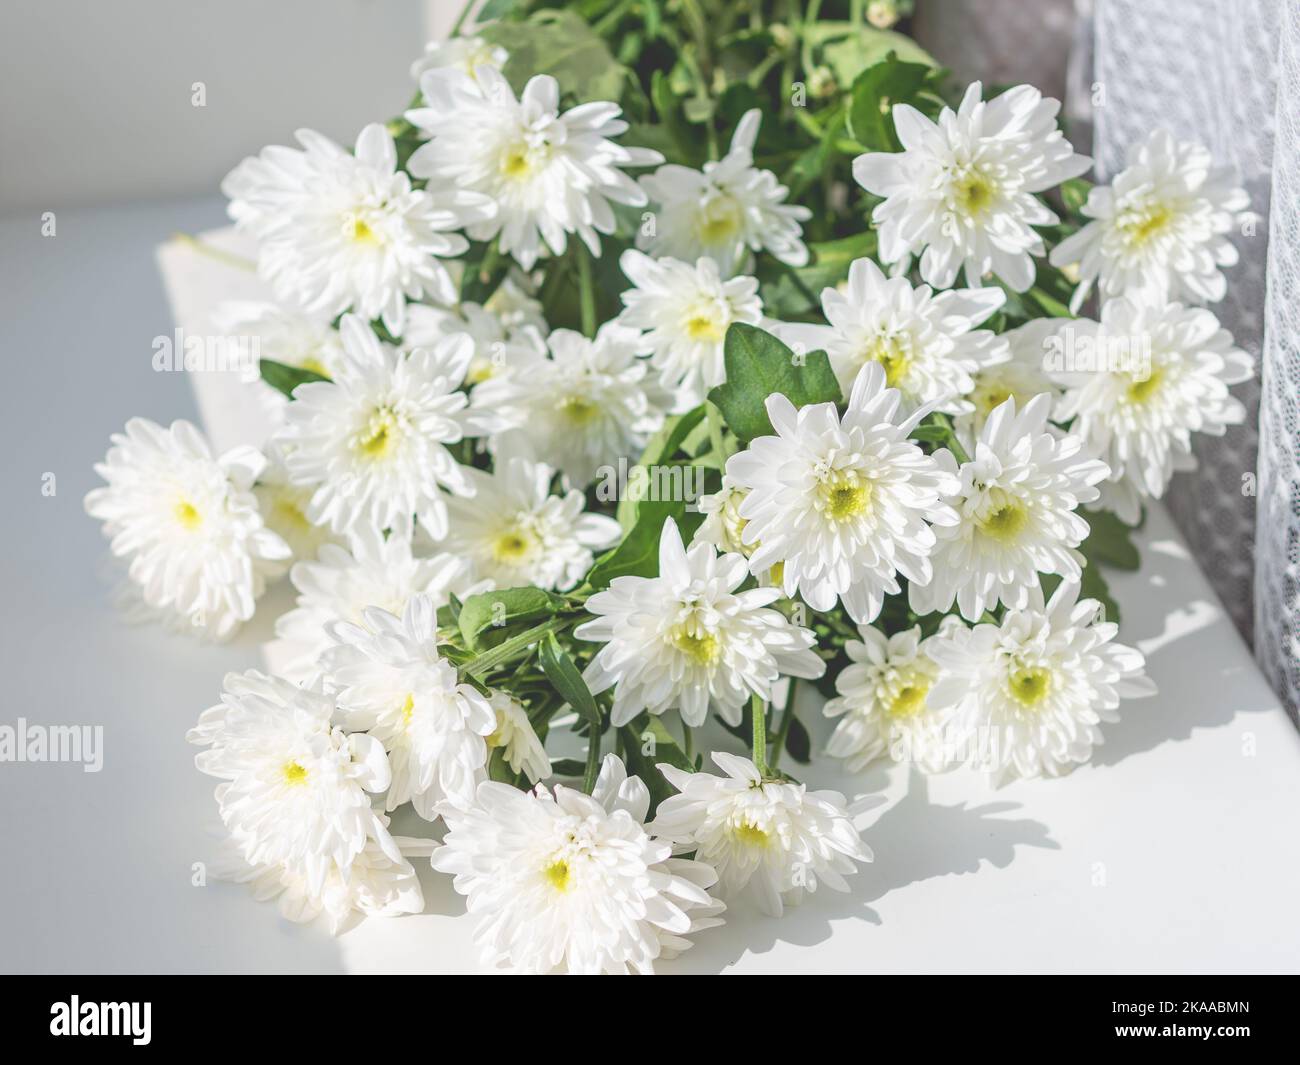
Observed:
{"x":831,"y":260}
{"x":760,"y":365}
{"x":561,"y":44}
{"x":1110,"y":541}
{"x":567,"y":767}
{"x":858,"y":48}
{"x":286,"y":378}
{"x":560,"y":670}
{"x":798,"y":742}
{"x":1074,"y":194}
{"x":638,"y":554}
{"x":499,"y":610}
{"x":874,"y":93}
{"x":650,"y":731}
{"x":660,"y":448}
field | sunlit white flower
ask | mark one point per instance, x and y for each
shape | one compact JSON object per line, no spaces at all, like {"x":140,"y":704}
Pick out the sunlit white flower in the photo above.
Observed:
{"x":1017,"y":508}
{"x":773,"y":839}
{"x":726,"y":210}
{"x":927,"y":344}
{"x":685,"y":311}
{"x":585,"y":407}
{"x":723,"y":526}
{"x":562,"y":881}
{"x":497,"y":348}
{"x":548,"y":173}
{"x":393,"y":683}
{"x":515,"y":532}
{"x":296,"y":788}
{"x":283,"y":335}
{"x":339,"y":585}
{"x":375,"y":886}
{"x":843,"y":503}
{"x":1160,"y":229}
{"x":187,"y":523}
{"x":1161,"y":373}
{"x":1032,"y":691}
{"x":371,"y":443}
{"x":464,"y":54}
{"x":689,"y":639}
{"x":341,"y":231}
{"x":1021,"y":377}
{"x":962,"y":192}
{"x":882,"y":703}
{"x":284,"y":509}
{"x":516,"y":739}
{"x":515,"y":304}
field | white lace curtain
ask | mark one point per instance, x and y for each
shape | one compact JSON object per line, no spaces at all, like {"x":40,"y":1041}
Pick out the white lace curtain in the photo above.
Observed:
{"x":1226,"y":73}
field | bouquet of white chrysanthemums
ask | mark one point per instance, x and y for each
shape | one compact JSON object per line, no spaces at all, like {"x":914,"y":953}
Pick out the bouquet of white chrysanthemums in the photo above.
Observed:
{"x":610,"y":424}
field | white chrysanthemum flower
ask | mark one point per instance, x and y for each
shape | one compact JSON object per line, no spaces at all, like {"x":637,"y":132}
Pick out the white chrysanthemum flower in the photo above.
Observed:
{"x":340,"y":231}
{"x":685,"y":311}
{"x":516,"y":739}
{"x":725,"y":211}
{"x":1160,"y":229}
{"x":340,"y":585}
{"x":296,"y":789}
{"x":723,"y":527}
{"x":688,"y":639}
{"x":776,"y":839}
{"x":269,"y":331}
{"x":187,"y":523}
{"x":963,"y":189}
{"x":497,"y":348}
{"x":562,"y":881}
{"x":1017,"y":515}
{"x":375,"y":886}
{"x":515,"y":532}
{"x":549,"y":174}
{"x":843,"y":503}
{"x":515,"y":304}
{"x":883,"y":703}
{"x":1157,"y":374}
{"x":393,"y":683}
{"x":284,"y":508}
{"x":927,"y":344}
{"x":1031,"y":692}
{"x":463,"y":54}
{"x":1022,"y":377}
{"x":585,"y":407}
{"x":371,"y":443}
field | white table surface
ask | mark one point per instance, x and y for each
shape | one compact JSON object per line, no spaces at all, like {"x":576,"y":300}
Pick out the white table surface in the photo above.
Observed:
{"x":1174,"y":851}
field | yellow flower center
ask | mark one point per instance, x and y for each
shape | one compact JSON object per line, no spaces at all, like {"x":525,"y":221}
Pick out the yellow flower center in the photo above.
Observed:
{"x":377,"y":439}
{"x":359,"y":231}
{"x":408,"y":711}
{"x":703,"y":326}
{"x":893,"y":356}
{"x":1029,"y":685}
{"x":991,"y":396}
{"x":845,"y":495}
{"x":556,"y":874}
{"x":578,"y":409}
{"x":314,"y":365}
{"x":1143,"y":388}
{"x":294,"y":773}
{"x":513,"y":546}
{"x":696,"y":643}
{"x":973,"y":193}
{"x":1139,"y":226}
{"x":188,"y":515}
{"x":719,"y":221}
{"x":1005,"y":522}
{"x":750,"y":834}
{"x":289,"y":515}
{"x":521,"y":161}
{"x":910,"y":699}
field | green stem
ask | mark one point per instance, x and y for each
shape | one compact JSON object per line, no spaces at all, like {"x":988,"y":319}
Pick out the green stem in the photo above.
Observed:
{"x":787,"y":719}
{"x":507,"y":649}
{"x":713,"y":417}
{"x":758,"y":711}
{"x":688,"y":742}
{"x":587,"y":292}
{"x":954,"y":445}
{"x":610,"y":20}
{"x":593,"y":760}
{"x":460,"y":19}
